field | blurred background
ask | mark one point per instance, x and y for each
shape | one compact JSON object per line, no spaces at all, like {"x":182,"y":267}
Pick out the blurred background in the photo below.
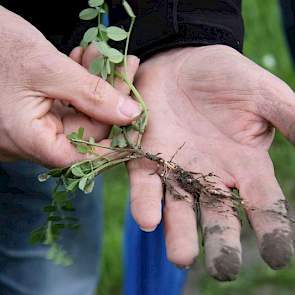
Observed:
{"x":266,"y":45}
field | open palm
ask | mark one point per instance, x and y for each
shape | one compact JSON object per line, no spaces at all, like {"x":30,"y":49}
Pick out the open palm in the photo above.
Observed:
{"x":222,"y":107}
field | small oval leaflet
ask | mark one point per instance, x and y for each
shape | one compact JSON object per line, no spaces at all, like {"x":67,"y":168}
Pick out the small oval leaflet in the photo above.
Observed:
{"x":77,"y":171}
{"x":89,"y":187}
{"x":95,"y":3}
{"x":116,"y":33}
{"x":102,"y":47}
{"x":115,"y":55}
{"x":82,"y":183}
{"x":71,"y":184}
{"x":88,"y":14}
{"x":96,"y":67}
{"x":128,"y":9}
{"x":90,"y":35}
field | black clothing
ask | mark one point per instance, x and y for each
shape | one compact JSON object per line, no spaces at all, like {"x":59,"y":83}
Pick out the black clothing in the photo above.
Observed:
{"x":288,"y":10}
{"x":160,"y":24}
{"x":171,"y":23}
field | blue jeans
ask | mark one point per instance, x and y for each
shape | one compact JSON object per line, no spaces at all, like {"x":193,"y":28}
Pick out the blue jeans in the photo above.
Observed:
{"x":23,"y":268}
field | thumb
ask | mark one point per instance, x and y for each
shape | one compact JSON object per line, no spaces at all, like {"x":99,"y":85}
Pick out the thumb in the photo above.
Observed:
{"x":60,"y":77}
{"x":278,"y":106}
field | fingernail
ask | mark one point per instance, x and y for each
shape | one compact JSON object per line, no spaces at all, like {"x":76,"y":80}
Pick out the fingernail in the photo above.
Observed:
{"x":148,"y":230}
{"x":188,"y":266}
{"x":129,"y":107}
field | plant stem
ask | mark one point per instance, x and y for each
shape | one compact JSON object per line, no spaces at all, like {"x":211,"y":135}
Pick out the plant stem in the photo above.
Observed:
{"x":99,"y":22}
{"x":127,"y":44}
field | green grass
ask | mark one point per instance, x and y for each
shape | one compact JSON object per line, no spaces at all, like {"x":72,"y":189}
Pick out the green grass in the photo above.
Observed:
{"x":264,"y":37}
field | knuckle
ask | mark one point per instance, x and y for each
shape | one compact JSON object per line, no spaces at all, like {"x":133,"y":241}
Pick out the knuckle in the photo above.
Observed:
{"x":96,"y":90}
{"x":43,"y":68}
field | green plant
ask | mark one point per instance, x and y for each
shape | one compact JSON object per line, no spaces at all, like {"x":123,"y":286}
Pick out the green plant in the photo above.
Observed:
{"x":81,"y":175}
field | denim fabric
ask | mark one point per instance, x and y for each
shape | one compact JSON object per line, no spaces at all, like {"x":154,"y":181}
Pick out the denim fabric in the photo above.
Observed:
{"x":147,"y":270}
{"x":23,"y":268}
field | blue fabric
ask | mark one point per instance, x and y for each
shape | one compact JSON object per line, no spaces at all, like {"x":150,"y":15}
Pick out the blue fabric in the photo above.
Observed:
{"x":147,"y":270}
{"x":23,"y":268}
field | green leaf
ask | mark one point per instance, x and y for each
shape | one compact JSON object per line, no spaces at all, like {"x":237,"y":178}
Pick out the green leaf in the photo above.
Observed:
{"x":95,"y":3}
{"x":60,"y":197}
{"x":58,"y":226}
{"x":105,"y":7}
{"x":128,"y":9}
{"x":115,"y":55}
{"x":59,"y":256}
{"x":57,"y":172}
{"x":108,"y":67}
{"x":56,"y":231}
{"x":114,"y":142}
{"x":49,"y":209}
{"x":86,"y":167}
{"x":102,"y":47}
{"x":68,"y":206}
{"x":73,"y":136}
{"x":116,"y":34}
{"x":37,"y":236}
{"x":83,"y":149}
{"x":89,"y":187}
{"x":71,"y":184}
{"x":103,"y":36}
{"x":52,"y":252}
{"x":82,"y":183}
{"x":116,"y":130}
{"x":88,"y":14}
{"x":54,"y":218}
{"x":90,"y":35}
{"x":80,"y":133}
{"x":77,"y":171}
{"x":84,"y":44}
{"x":122,"y":141}
{"x":104,"y":72}
{"x":102,"y":11}
{"x":96,"y":66}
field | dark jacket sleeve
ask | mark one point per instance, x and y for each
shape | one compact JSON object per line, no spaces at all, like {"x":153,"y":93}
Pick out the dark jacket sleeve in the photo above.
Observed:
{"x":165,"y":24}
{"x":288,"y":13}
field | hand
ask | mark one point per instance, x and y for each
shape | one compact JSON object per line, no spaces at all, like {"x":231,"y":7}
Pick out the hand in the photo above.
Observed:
{"x":223,"y":107}
{"x":35,"y":78}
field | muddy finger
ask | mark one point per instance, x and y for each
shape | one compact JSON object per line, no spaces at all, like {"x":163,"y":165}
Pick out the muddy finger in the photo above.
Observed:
{"x":221,"y":232}
{"x":266,"y":208}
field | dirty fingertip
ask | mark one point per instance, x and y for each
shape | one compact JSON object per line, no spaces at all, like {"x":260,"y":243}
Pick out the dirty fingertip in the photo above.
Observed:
{"x":226,"y":266}
{"x":277,"y":248}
